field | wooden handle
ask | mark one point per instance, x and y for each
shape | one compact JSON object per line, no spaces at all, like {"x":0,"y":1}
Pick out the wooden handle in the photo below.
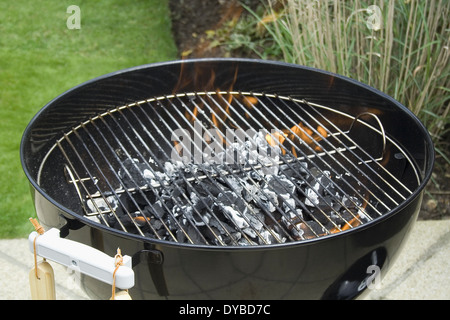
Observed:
{"x":43,"y":286}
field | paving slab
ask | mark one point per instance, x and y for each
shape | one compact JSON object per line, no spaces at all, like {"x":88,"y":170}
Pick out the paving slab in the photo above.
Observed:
{"x":420,"y":272}
{"x":16,"y":261}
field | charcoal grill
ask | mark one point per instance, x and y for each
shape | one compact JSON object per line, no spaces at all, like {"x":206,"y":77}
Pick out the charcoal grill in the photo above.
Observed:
{"x":230,"y":178}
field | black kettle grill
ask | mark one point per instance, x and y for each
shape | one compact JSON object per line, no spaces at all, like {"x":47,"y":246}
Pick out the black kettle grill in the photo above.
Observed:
{"x":317,"y":183}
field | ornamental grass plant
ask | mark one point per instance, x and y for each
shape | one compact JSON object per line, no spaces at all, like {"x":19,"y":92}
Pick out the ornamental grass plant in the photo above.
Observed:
{"x":399,"y":47}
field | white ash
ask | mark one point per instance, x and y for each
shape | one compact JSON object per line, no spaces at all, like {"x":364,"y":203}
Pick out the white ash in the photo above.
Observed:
{"x":312,"y":198}
{"x":236,"y":217}
{"x":148,"y":174}
{"x":101,"y":204}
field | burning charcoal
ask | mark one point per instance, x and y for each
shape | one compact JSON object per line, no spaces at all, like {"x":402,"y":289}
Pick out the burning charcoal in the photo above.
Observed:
{"x":312,"y":230}
{"x":342,"y":217}
{"x":281,"y":185}
{"x":172,"y":169}
{"x":288,"y":203}
{"x":161,"y":178}
{"x":256,"y":175}
{"x":149,"y":234}
{"x":223,"y":227}
{"x":110,"y":219}
{"x":250,"y":232}
{"x":189,"y":169}
{"x":128,"y":222}
{"x":231,"y":199}
{"x":326,"y":204}
{"x":176,"y":189}
{"x":321,"y":193}
{"x":297,"y":215}
{"x":269,"y":165}
{"x":232,"y":153}
{"x":217,"y":211}
{"x":331,"y":191}
{"x":194,"y":235}
{"x":297,"y":232}
{"x":322,"y":210}
{"x":167,"y":200}
{"x":202,"y":186}
{"x":186,"y":213}
{"x":351,"y":202}
{"x":314,"y":173}
{"x":278,"y":229}
{"x":124,"y":206}
{"x":195,"y":218}
{"x":312,"y":197}
{"x":269,"y":199}
{"x":148,"y":175}
{"x":269,"y":237}
{"x":255,"y":219}
{"x":293,"y":220}
{"x":320,"y":216}
{"x":156,"y":224}
{"x":156,"y":209}
{"x":132,"y":173}
{"x":235,"y":185}
{"x":295,"y":170}
{"x":181,"y":236}
{"x":101,"y":204}
{"x":141,"y":220}
{"x":171,"y":219}
{"x":289,"y":207}
{"x":178,"y":210}
{"x":144,"y":197}
{"x":246,"y":242}
{"x":336,"y":205}
{"x":239,"y":204}
{"x":266,"y":238}
{"x":235,"y":217}
{"x":212,"y":234}
{"x":232,"y":238}
{"x":250,"y":191}
{"x":162,"y":233}
{"x":325,"y":180}
{"x":201,"y":204}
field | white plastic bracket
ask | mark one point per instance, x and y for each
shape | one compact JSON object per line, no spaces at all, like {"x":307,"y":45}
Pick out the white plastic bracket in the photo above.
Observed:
{"x":82,"y":258}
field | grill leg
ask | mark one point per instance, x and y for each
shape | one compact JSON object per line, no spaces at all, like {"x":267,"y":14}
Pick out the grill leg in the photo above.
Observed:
{"x":154,"y":260}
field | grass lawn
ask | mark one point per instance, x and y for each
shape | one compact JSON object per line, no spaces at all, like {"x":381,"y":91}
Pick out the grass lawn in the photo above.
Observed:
{"x":41,"y":58}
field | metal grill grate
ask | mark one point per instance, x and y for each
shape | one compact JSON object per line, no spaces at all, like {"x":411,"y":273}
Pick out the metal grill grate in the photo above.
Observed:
{"x":121,"y":164}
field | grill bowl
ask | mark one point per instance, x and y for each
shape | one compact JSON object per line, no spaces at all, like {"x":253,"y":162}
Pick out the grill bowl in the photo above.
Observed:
{"x":332,"y":266}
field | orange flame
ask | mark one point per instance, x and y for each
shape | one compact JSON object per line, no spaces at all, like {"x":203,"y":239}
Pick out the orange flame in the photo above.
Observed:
{"x":297,"y":134}
{"x":355,"y":221}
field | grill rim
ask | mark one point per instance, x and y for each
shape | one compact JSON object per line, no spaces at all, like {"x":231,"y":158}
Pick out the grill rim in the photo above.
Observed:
{"x":424,"y":176}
